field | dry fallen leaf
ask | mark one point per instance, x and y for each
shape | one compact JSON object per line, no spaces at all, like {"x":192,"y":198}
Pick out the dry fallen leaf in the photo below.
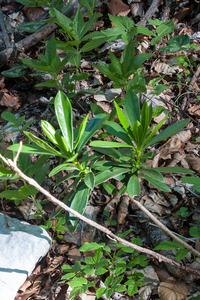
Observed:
{"x":118,"y":8}
{"x":194,"y":111}
{"x":194,"y":162}
{"x":184,"y":135}
{"x":163,"y":68}
{"x":8,"y":100}
{"x":172,"y":145}
{"x":172,"y":289}
{"x":123,"y":210}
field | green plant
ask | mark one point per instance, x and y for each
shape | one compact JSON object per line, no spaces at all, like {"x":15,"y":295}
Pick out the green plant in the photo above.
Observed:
{"x":183,"y":212}
{"x":16,"y":122}
{"x":181,"y":43}
{"x":137,"y":136}
{"x":195,"y":181}
{"x":38,"y":171}
{"x":113,"y":266}
{"x":60,"y":225}
{"x":166,"y":245}
{"x":109,"y":220}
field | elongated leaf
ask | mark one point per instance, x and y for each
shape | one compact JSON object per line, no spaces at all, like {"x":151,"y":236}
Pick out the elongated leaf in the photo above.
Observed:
{"x":151,"y":135}
{"x":102,"y":144}
{"x":155,"y":174}
{"x":53,"y":136}
{"x":137,"y":61}
{"x":168,"y":132}
{"x":42,"y":144}
{"x":127,"y":56}
{"x":91,"y":128}
{"x":133,"y":186}
{"x":78,"y":203}
{"x":64,"y":22}
{"x":36,"y":64}
{"x":110,"y":173}
{"x":13,"y":195}
{"x":116,"y":130}
{"x":115,"y":63}
{"x":61,"y":168}
{"x":81,"y":130}
{"x":50,"y":51}
{"x":34,"y":149}
{"x":109,"y":151}
{"x":64,"y":116}
{"x":132,"y":108}
{"x":174,"y":170}
{"x":160,"y":185}
{"x":34,"y":168}
{"x":121,"y":117}
{"x":8,"y":116}
{"x":90,"y":180}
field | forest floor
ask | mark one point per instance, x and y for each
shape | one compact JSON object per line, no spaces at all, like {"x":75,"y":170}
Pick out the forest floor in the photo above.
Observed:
{"x":179,"y":210}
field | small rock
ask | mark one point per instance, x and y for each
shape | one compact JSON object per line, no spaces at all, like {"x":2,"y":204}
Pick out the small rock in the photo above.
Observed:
{"x":22,"y":246}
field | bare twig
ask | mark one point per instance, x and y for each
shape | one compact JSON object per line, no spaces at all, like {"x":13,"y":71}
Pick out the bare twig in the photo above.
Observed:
{"x":34,"y":38}
{"x":150,"y":12}
{"x":164,"y":228}
{"x":109,"y":233}
{"x":4,"y":30}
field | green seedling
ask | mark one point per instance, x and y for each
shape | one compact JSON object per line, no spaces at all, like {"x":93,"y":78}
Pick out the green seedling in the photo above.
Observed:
{"x":16,"y":122}
{"x":113,"y":266}
{"x":183,"y":212}
{"x":109,"y":220}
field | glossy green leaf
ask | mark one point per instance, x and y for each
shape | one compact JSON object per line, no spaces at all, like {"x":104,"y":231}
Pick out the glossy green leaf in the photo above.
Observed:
{"x":111,"y":173}
{"x":40,"y":176}
{"x":91,"y":128}
{"x":42,"y":144}
{"x":64,"y":22}
{"x":77,"y":282}
{"x":109,"y":280}
{"x":166,"y":245}
{"x":89,"y":247}
{"x":50,"y":51}
{"x":110,"y":188}
{"x":102,"y":144}
{"x":160,"y":185}
{"x":61,"y":168}
{"x":132,"y":108}
{"x":100,"y":292}
{"x":192,"y":180}
{"x":63,"y":110}
{"x":127,"y":56}
{"x":81,"y":130}
{"x":89,"y":180}
{"x":181,"y":253}
{"x":122,"y":22}
{"x":53,"y":136}
{"x":115,"y":63}
{"x":133,"y":186}
{"x":121,"y":117}
{"x":116,"y":130}
{"x":79,"y":203}
{"x":174,"y":170}
{"x":168,"y":132}
{"x":156,"y":175}
{"x":13,"y":195}
{"x":34,"y":149}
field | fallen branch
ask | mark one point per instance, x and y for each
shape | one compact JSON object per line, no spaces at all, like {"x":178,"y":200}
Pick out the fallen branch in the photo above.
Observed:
{"x":34,"y":38}
{"x":165,"y":229}
{"x":150,"y":12}
{"x":109,"y":233}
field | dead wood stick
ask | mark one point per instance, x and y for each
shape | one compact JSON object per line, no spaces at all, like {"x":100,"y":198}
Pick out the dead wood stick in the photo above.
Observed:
{"x":150,"y":12}
{"x":34,"y":38}
{"x":4,"y":30}
{"x":165,"y":229}
{"x":109,"y":233}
